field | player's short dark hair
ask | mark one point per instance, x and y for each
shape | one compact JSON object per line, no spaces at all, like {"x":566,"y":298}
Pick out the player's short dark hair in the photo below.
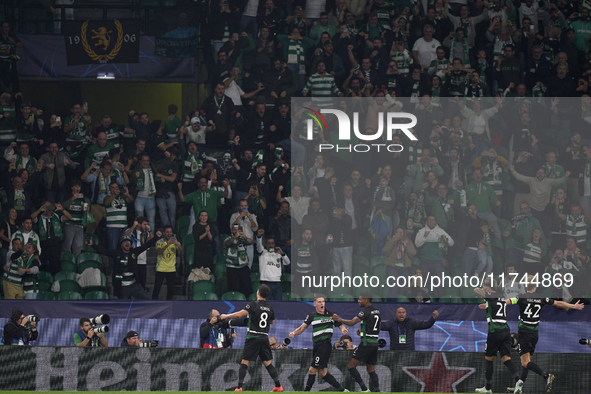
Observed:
{"x":167,"y":226}
{"x":15,"y":315}
{"x":84,"y":320}
{"x":264,"y":291}
{"x":343,"y":337}
{"x":317,"y":296}
{"x":367,"y":295}
{"x":141,"y":219}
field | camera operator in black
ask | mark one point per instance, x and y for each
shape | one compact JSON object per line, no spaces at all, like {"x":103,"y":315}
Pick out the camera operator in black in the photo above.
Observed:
{"x":260,"y":317}
{"x":367,"y":351}
{"x":322,"y":328}
{"x":344,"y":343}
{"x":216,"y":333}
{"x":87,"y":337}
{"x":15,"y":332}
{"x":131,"y":339}
{"x":126,"y":272}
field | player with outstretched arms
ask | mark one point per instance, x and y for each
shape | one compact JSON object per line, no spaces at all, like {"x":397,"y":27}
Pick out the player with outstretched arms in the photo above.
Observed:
{"x":260,"y":317}
{"x":530,"y":305}
{"x":367,"y":351}
{"x":499,"y":335}
{"x":322,"y":329}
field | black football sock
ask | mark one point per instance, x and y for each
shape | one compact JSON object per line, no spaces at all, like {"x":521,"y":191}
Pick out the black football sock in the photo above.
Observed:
{"x":273,"y":372}
{"x":524,"y":372}
{"x":536,"y":368}
{"x":310,"y":382}
{"x":488,"y":374}
{"x":373,"y":377}
{"x":242,"y":374}
{"x":332,"y":381}
{"x":512,"y":368}
{"x":355,"y":373}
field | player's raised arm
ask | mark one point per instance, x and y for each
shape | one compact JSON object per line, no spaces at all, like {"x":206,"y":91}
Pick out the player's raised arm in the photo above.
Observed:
{"x":235,"y":315}
{"x":349,"y":323}
{"x":566,"y":306}
{"x":298,"y":330}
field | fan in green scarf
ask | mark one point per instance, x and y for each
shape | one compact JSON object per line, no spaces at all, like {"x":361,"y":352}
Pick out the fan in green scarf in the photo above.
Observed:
{"x":145,"y":183}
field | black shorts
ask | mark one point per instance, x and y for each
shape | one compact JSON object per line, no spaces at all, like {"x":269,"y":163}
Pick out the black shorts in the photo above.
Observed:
{"x":500,"y":342}
{"x":527,"y":341}
{"x":321,"y":354}
{"x":257,"y":347}
{"x":366,"y":354}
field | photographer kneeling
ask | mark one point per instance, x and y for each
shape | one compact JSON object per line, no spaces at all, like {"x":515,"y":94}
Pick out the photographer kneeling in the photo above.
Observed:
{"x":18,"y":332}
{"x":345,"y":343}
{"x":87,"y":337}
{"x":133,"y":339}
{"x":215,"y":333}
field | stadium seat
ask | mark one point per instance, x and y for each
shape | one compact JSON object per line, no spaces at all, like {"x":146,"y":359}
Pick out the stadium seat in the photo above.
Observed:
{"x":69,"y":285}
{"x":90,"y":264}
{"x":45,"y":295}
{"x":45,"y":276}
{"x":220,"y":271}
{"x":255,"y":276}
{"x":89,"y":256}
{"x":233,"y":296}
{"x":44,"y":285}
{"x":379,"y":270}
{"x":288,"y":296}
{"x":286,"y":278}
{"x":183,"y":222}
{"x":451,"y":300}
{"x":68,"y":266}
{"x":69,"y":295}
{"x":253,"y":297}
{"x":188,"y":240}
{"x":205,"y":296}
{"x":255,"y":286}
{"x":101,"y":287}
{"x":67,"y":256}
{"x":203,"y":286}
{"x":219,"y":259}
{"x":285,"y":287}
{"x":96,"y":295}
{"x":377,"y":260}
{"x":308,"y":297}
{"x":66,"y":275}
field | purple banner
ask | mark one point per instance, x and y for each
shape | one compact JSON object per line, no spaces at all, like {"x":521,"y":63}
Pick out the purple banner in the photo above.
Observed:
{"x":45,"y":56}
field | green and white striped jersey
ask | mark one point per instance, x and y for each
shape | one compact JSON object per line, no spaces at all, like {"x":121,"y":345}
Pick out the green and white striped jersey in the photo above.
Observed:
{"x":322,"y":326}
{"x":321,"y":89}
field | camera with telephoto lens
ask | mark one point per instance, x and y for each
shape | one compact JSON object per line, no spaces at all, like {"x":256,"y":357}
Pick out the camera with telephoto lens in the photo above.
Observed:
{"x":100,"y":330}
{"x":381,"y":343}
{"x":584,"y":341}
{"x":151,"y":343}
{"x":33,"y":318}
{"x":100,"y":320}
{"x":285,"y":342}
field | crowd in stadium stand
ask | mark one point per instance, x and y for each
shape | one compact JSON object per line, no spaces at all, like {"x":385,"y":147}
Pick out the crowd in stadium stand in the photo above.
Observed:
{"x":503,"y":178}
